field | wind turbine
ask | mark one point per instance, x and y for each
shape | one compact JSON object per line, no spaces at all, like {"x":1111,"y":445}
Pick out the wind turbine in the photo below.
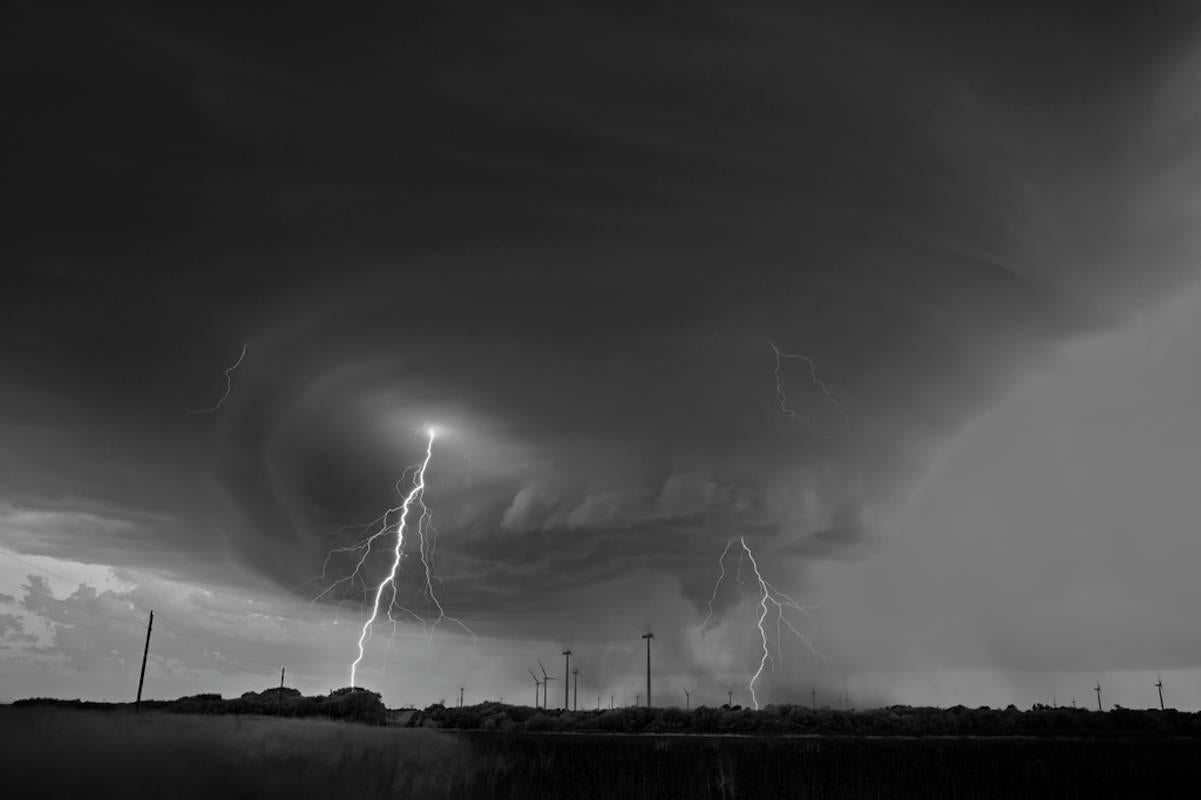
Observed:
{"x":537,"y":686}
{"x":687,"y":699}
{"x":648,"y":636}
{"x":575,"y":695}
{"x":546,"y":679}
{"x":1098,"y":691}
{"x":1159,"y":686}
{"x":566,"y":680}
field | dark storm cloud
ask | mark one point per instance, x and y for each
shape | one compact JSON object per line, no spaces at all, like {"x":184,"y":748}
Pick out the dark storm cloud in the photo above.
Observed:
{"x":571,"y":232}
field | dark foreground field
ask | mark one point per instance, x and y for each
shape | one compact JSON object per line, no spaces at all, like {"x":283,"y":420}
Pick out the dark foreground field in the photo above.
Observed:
{"x":68,"y":753}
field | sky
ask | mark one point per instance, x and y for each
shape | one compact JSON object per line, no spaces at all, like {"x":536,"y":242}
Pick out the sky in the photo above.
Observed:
{"x":902,"y":303}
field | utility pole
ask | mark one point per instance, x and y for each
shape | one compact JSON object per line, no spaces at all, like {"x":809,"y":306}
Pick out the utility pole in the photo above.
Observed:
{"x":610,"y":702}
{"x":648,"y":636}
{"x":282,"y":670}
{"x":1098,"y":691}
{"x":1159,"y":686}
{"x":137,"y":704}
{"x":575,"y":692}
{"x":687,"y":700}
{"x":460,"y":697}
{"x":566,"y":679}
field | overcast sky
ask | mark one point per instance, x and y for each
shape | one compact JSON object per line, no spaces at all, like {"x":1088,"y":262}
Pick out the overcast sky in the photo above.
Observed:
{"x":590,"y":243}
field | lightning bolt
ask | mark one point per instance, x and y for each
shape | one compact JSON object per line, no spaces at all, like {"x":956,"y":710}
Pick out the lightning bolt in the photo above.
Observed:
{"x":721,"y":562}
{"x":397,"y":554}
{"x":769,"y":595}
{"x":395,"y":520}
{"x":782,"y":396}
{"x":427,"y":536}
{"x":229,"y":385}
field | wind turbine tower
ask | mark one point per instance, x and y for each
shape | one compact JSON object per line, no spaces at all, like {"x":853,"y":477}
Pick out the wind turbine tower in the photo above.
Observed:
{"x":1159,"y":686}
{"x":546,"y":679}
{"x":687,"y":700}
{"x":537,"y":686}
{"x":1097,"y":689}
{"x":575,"y":689}
{"x":566,"y":680}
{"x":648,"y":636}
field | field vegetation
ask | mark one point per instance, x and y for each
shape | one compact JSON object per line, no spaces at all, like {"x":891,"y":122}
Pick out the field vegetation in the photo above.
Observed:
{"x":62,"y":752}
{"x":795,"y":719}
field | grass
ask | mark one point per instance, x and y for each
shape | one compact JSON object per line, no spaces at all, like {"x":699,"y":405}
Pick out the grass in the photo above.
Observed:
{"x":62,"y":752}
{"x":68,"y":753}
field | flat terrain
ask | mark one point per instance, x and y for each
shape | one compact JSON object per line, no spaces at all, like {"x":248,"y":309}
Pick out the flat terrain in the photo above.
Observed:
{"x":80,"y":753}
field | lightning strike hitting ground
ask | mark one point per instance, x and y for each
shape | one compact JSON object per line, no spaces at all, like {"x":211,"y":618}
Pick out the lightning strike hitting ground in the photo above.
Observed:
{"x":783,"y":397}
{"x":229,"y":385}
{"x":394,"y":520}
{"x":780,"y":601}
{"x":397,"y":554}
{"x":768,"y":594}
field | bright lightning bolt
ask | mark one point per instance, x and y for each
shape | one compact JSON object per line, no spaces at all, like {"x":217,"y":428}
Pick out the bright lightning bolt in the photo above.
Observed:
{"x":229,"y":385}
{"x":782,"y":397}
{"x":769,"y":595}
{"x":394,"y":520}
{"x":397,"y":553}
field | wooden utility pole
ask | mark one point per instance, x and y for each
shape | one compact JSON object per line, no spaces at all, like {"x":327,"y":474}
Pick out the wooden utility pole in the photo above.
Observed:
{"x":648,"y":636}
{"x":137,"y":705}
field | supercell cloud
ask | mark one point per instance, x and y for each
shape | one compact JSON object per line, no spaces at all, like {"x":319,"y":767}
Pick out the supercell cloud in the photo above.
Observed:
{"x":567,"y":236}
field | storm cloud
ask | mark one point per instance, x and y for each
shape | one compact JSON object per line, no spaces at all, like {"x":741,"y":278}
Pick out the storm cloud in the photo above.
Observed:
{"x":572,"y":237}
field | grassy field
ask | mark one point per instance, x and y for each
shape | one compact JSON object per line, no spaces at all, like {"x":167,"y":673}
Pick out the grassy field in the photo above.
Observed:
{"x":73,"y":753}
{"x":67,"y":753}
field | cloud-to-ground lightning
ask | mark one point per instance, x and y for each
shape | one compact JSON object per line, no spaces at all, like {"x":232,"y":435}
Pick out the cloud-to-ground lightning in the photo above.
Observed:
{"x":782,"y":396}
{"x":397,"y":554}
{"x":229,"y":385}
{"x":395,"y":520}
{"x":768,"y":595}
